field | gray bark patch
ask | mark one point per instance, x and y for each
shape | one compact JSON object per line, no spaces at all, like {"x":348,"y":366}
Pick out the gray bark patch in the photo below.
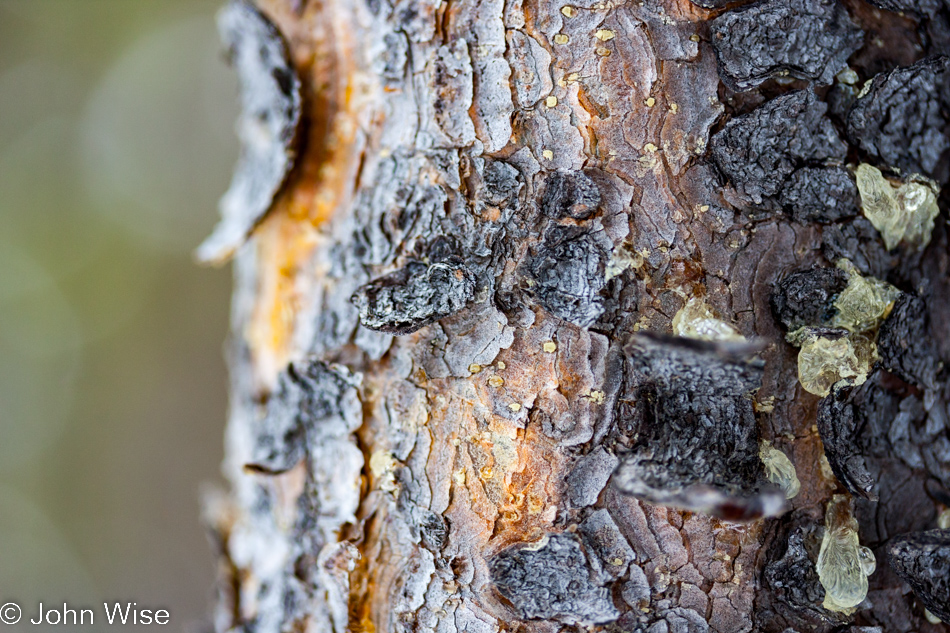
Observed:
{"x":553,"y":581}
{"x":267,"y":127}
{"x":568,"y":273}
{"x":414,"y":296}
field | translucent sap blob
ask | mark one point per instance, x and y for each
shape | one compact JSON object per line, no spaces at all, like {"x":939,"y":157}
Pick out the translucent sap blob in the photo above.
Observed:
{"x":943,"y":519}
{"x":901,"y":212}
{"x":843,"y":563}
{"x":864,"y":303}
{"x":823,"y":361}
{"x":696,"y":320}
{"x":779,"y":469}
{"x":845,"y":349}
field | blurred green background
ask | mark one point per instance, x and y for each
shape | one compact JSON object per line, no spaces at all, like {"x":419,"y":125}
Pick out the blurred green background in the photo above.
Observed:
{"x":116,"y":140}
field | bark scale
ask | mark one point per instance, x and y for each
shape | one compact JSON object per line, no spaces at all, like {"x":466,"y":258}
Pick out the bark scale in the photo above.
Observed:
{"x":539,"y":173}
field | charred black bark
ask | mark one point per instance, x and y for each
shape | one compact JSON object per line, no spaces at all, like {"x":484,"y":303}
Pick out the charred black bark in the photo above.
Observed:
{"x":820,"y":194}
{"x":922,"y":559}
{"x":904,"y":343}
{"x":760,"y":150}
{"x":807,"y":297}
{"x":805,"y":39}
{"x":839,"y":430}
{"x":901,"y":119}
{"x":694,"y":440}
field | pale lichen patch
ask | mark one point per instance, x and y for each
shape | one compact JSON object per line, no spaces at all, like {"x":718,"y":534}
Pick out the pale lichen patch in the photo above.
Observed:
{"x":901,"y":212}
{"x":843,"y":563}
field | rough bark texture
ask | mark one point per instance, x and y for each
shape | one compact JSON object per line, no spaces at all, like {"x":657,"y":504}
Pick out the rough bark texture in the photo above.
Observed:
{"x":435,"y":371}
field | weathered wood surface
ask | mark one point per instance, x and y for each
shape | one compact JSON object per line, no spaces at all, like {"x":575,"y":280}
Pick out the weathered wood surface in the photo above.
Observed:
{"x":550,"y":169}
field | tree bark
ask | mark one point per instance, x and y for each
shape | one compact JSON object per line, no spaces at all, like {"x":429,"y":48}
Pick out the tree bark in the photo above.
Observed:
{"x":445,"y":414}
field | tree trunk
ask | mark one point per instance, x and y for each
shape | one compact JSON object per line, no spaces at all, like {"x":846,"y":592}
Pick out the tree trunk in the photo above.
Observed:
{"x":455,"y":403}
